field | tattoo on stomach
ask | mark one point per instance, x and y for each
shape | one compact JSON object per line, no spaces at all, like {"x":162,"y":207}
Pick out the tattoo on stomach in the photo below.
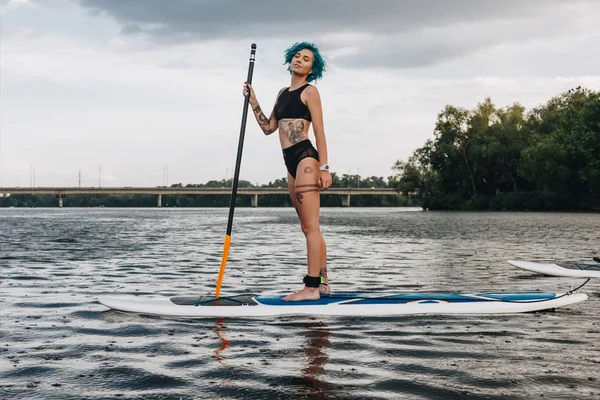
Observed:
{"x":294,"y":130}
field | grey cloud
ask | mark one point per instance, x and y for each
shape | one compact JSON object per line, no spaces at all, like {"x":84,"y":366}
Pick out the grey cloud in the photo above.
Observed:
{"x":177,"y":21}
{"x":131,"y":29}
{"x":408,"y":53}
{"x":210,"y":19}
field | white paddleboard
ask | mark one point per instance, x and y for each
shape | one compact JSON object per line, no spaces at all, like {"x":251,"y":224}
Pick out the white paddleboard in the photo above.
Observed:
{"x":554,"y":269}
{"x":352,"y":304}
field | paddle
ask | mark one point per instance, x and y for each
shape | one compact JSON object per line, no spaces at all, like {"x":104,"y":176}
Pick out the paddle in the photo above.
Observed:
{"x":237,"y":173}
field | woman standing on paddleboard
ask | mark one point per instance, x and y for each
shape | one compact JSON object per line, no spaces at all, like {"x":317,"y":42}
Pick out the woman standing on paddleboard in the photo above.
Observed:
{"x":296,"y":107}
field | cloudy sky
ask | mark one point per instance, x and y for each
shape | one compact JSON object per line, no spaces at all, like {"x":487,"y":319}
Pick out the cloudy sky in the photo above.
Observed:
{"x":135,"y":86}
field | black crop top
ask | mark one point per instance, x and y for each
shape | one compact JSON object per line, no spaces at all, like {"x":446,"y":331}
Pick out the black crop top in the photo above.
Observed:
{"x":289,"y":105}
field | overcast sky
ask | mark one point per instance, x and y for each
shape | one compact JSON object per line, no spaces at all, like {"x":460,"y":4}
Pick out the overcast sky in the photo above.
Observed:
{"x":135,"y":86}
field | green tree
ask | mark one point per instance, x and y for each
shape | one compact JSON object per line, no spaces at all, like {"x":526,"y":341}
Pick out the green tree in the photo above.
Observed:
{"x":503,"y":158}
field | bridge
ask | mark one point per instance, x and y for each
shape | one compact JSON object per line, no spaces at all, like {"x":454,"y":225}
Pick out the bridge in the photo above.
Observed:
{"x":61,"y":192}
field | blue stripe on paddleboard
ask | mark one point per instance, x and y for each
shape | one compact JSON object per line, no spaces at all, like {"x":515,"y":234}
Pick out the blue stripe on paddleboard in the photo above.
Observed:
{"x":357,"y":298}
{"x":515,"y":296}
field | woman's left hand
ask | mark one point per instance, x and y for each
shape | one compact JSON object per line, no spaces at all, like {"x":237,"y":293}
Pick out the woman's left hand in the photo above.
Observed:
{"x":324,"y":179}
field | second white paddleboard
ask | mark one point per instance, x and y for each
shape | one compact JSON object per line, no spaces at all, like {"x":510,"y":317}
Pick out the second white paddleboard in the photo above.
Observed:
{"x":554,"y":269}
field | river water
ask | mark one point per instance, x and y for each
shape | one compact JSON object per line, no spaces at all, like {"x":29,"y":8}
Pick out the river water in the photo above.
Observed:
{"x":58,"y":342}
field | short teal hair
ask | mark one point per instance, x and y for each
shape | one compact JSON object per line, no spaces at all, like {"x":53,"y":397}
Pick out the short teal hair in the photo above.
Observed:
{"x":318,"y":64}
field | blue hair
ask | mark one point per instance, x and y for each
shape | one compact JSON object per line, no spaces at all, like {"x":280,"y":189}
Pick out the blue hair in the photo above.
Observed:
{"x":318,"y":63}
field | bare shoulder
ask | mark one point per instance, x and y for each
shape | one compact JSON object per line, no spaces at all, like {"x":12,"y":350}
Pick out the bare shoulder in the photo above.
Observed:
{"x":310,"y":93}
{"x":311,"y":90}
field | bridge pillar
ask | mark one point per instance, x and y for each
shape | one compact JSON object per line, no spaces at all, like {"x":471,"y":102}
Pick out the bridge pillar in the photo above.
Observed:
{"x":159,"y":201}
{"x":60,"y":198}
{"x":254,"y":200}
{"x":346,"y":201}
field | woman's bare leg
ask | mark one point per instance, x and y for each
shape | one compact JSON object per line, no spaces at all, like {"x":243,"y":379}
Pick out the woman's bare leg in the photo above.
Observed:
{"x":324,"y":288}
{"x":307,"y":193}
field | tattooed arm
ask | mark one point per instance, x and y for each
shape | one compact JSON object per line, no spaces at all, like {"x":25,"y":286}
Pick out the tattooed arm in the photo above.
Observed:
{"x":268,"y":125}
{"x":313,"y":102}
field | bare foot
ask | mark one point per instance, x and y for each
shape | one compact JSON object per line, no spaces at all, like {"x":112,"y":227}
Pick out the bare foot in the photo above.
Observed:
{"x":324,"y":289}
{"x":305,"y":294}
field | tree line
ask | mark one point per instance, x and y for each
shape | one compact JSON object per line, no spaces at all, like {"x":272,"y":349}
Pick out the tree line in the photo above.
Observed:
{"x":491,"y":158}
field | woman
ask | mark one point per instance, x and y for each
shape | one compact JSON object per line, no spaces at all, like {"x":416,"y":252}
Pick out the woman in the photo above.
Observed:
{"x":296,"y":107}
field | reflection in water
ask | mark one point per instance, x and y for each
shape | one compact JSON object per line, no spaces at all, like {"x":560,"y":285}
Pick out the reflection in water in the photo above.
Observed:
{"x":309,"y":382}
{"x":219,"y":328}
{"x":318,"y":340}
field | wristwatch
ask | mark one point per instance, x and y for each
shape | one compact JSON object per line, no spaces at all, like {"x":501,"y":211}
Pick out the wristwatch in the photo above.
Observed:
{"x":324,"y":167}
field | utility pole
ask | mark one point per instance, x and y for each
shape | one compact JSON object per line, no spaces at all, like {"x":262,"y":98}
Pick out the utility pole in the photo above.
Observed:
{"x":32,"y":176}
{"x":79,"y":178}
{"x":348,"y":179}
{"x":99,"y":175}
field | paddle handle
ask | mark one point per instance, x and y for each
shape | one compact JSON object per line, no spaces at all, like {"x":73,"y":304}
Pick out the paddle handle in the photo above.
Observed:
{"x":236,"y":175}
{"x":238,"y":159}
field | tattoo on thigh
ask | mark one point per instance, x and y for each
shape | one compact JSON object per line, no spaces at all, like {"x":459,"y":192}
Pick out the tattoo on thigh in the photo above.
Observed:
{"x":299,"y":195}
{"x":308,"y":170}
{"x":308,"y":190}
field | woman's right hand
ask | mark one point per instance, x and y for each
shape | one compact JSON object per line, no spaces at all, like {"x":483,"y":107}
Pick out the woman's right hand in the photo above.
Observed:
{"x":247,"y":87}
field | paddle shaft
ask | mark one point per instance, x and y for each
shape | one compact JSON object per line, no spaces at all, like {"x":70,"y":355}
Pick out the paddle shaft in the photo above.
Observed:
{"x":236,"y":175}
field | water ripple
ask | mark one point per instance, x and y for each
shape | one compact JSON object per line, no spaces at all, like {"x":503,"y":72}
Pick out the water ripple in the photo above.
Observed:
{"x":57,"y":342}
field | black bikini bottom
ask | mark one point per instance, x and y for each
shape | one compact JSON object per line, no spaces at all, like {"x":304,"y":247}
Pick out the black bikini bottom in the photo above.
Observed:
{"x":294,"y":154}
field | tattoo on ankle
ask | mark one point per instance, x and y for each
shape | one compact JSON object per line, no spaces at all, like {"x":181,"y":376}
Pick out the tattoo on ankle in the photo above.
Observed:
{"x":323,"y":272}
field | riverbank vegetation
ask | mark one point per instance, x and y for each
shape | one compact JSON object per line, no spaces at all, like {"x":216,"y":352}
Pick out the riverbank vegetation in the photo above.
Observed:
{"x":492,"y":158}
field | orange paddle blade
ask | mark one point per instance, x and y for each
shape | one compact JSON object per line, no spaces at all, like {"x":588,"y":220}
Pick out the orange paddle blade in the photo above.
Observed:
{"x":223,"y":263}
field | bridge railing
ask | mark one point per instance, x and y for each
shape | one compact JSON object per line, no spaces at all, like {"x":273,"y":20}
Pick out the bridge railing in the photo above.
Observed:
{"x":61,"y":192}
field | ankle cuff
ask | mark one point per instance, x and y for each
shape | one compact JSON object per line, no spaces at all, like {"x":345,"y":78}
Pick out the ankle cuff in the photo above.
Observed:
{"x":312,"y":281}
